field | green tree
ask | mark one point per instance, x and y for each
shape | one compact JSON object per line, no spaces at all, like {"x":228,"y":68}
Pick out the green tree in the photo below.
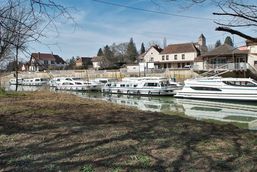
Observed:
{"x":131,"y":51}
{"x":229,"y":41}
{"x":100,"y":52}
{"x":71,"y":63}
{"x":217,"y":44}
{"x":142,"y":49}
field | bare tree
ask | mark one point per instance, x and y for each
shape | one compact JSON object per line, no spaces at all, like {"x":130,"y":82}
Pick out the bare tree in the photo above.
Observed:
{"x":19,"y":25}
{"x":45,"y":11}
{"x":238,"y":14}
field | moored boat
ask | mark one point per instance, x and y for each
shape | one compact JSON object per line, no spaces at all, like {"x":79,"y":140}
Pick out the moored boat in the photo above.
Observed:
{"x":73,"y":85}
{"x":35,"y":81}
{"x":141,"y":86}
{"x":14,"y":82}
{"x":219,"y":88}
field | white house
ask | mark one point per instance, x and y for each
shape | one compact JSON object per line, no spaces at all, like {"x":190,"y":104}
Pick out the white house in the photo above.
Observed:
{"x":175,"y":56}
{"x":151,"y":55}
{"x":42,"y":61}
{"x":252,"y":53}
{"x":178,"y":56}
{"x":96,"y":61}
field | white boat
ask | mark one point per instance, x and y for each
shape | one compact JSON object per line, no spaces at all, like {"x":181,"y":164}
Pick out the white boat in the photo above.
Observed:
{"x":219,"y":88}
{"x":35,"y":81}
{"x":13,"y":81}
{"x":140,"y":86}
{"x":73,"y":85}
{"x":55,"y":81}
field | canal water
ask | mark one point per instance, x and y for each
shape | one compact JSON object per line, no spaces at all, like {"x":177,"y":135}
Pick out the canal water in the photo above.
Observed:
{"x":241,"y":114}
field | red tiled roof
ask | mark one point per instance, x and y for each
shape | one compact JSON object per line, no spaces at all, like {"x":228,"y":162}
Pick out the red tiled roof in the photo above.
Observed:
{"x":43,"y":56}
{"x":49,"y":57}
{"x":179,"y":48}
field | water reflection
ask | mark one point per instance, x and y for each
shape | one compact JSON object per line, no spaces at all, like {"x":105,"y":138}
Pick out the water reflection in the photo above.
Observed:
{"x":243,"y":115}
{"x":25,"y":88}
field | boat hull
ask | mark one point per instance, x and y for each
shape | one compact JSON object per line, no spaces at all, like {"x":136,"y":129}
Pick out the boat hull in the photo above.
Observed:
{"x":248,"y":96}
{"x":148,"y":92}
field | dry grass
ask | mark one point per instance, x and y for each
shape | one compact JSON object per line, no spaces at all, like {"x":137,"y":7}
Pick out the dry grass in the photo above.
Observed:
{"x":51,"y":132}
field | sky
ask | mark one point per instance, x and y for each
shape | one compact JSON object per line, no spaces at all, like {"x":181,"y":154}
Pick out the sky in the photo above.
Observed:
{"x":104,"y":22}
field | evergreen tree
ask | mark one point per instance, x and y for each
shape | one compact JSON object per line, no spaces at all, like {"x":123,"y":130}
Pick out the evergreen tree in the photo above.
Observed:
{"x":108,"y":54}
{"x":142,"y":49}
{"x":71,"y":63}
{"x":131,"y":51}
{"x":229,"y":41}
{"x":100,"y":52}
{"x":217,"y":44}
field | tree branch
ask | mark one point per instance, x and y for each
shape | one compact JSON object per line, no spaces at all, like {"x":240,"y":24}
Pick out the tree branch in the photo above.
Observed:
{"x":235,"y":32}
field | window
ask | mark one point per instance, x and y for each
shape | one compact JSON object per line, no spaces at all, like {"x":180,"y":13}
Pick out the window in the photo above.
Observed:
{"x":45,"y":62}
{"x":205,"y":89}
{"x":151,"y":60}
{"x":175,"y":57}
{"x":163,"y":57}
{"x":240,"y":83}
{"x":167,"y":57}
{"x":150,"y":84}
{"x":52,"y":62}
{"x":183,"y":56}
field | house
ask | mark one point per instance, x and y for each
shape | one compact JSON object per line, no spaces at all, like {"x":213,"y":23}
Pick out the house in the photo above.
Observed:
{"x":252,"y":55}
{"x":175,"y":56}
{"x":222,"y":57}
{"x":42,"y":61}
{"x":97,"y":61}
{"x":83,"y":62}
{"x":151,"y":54}
{"x":178,"y":56}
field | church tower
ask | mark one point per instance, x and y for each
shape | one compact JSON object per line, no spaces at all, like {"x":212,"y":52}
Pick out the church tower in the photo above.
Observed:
{"x":202,"y":43}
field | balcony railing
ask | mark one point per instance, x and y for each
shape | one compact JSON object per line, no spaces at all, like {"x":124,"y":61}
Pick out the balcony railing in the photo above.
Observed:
{"x":223,"y":66}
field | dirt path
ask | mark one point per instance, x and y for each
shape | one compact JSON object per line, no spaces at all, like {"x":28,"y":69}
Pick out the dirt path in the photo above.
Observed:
{"x":60,"y":132}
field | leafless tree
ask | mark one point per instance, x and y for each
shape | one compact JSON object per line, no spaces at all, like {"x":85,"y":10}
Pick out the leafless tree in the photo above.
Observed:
{"x":234,"y":15}
{"x":23,"y":22}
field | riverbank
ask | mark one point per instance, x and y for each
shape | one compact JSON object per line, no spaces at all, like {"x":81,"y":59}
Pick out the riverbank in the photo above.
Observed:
{"x":50,"y":132}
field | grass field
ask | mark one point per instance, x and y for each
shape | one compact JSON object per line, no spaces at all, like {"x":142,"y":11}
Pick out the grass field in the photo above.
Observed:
{"x":43,"y":131}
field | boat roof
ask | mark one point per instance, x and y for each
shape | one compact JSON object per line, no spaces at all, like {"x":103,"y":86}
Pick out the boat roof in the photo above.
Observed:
{"x":224,"y":79}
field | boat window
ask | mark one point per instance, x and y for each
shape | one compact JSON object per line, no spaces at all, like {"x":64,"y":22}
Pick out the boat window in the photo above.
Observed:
{"x":78,"y":83}
{"x":103,"y":81}
{"x":240,"y":83}
{"x":205,"y":89}
{"x":135,"y":85}
{"x":76,"y":79}
{"x":37,"y":79}
{"x":151,"y":84}
{"x":127,"y":85}
{"x":68,"y":79}
{"x":122,"y":85}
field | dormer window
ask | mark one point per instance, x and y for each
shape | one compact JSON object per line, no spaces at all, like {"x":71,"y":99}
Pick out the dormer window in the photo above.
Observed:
{"x":163,"y":57}
{"x":167,"y":57}
{"x":175,"y":57}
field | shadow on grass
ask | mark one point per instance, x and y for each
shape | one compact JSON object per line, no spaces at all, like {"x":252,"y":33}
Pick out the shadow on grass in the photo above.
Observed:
{"x":99,"y":136}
